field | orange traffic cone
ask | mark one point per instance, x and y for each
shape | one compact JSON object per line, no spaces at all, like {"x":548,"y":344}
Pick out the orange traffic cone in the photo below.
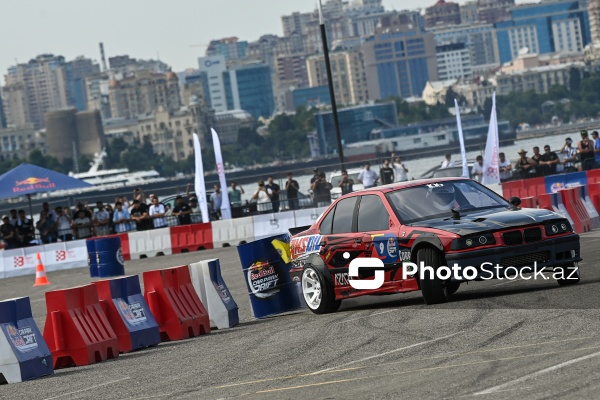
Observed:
{"x":40,"y":273}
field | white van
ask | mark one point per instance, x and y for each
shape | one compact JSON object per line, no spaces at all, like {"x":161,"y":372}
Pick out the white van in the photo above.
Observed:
{"x":336,"y":177}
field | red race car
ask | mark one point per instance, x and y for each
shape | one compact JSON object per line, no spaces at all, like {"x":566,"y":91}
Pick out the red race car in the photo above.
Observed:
{"x":434,"y":223}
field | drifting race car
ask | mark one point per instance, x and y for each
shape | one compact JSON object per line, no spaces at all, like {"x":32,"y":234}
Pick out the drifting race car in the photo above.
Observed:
{"x":436,"y":223}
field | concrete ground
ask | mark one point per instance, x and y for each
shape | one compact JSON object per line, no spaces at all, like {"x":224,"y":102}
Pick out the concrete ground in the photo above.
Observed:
{"x":496,"y":340}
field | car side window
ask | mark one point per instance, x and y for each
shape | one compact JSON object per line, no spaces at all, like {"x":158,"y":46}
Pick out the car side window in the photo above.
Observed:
{"x":372,"y":214}
{"x":325,"y":228}
{"x":344,"y":215}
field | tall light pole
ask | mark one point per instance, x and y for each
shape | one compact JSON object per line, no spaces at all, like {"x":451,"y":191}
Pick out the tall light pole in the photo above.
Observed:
{"x":336,"y":122}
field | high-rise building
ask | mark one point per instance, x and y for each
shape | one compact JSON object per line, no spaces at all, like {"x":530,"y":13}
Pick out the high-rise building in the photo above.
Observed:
{"x":594,"y":17}
{"x":17,"y":143}
{"x":96,"y":90}
{"x":296,"y":22}
{"x":143,"y":92}
{"x":442,"y":13}
{"x":469,"y":12}
{"x":348,"y":71}
{"x":492,"y":11}
{"x":249,"y":87}
{"x":195,"y":88}
{"x":293,"y":68}
{"x":125,"y":65}
{"x":69,"y":132}
{"x":231,"y":48}
{"x":40,"y":85}
{"x":2,"y":115}
{"x":454,"y":61}
{"x":77,"y":70}
{"x":541,"y":28}
{"x":399,"y":61}
{"x":213,"y":68}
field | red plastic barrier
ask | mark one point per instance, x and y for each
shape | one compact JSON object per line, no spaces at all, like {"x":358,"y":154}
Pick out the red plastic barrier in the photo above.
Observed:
{"x":535,"y":186}
{"x":188,"y":238}
{"x":77,"y":330}
{"x":529,"y":202}
{"x":511,"y":189}
{"x":576,"y":209}
{"x":594,"y":193}
{"x":545,"y":201}
{"x":175,"y":303}
{"x":593,"y":176}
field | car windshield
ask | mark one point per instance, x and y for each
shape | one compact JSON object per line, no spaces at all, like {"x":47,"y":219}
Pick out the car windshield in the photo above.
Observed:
{"x":437,"y":200}
{"x":335,"y":180}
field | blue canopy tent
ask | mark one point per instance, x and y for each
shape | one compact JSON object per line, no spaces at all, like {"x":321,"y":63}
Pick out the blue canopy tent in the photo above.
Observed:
{"x":28,"y":179}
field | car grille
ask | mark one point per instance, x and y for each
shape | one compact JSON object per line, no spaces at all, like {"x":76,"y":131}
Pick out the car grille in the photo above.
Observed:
{"x":532,"y":235}
{"x":526,"y":259}
{"x":514,"y":237}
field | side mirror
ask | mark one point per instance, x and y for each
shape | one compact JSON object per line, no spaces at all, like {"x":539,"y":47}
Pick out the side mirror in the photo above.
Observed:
{"x":515,"y":201}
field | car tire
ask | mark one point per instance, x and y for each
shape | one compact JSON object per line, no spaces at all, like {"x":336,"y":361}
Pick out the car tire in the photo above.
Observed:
{"x":434,"y":291}
{"x":567,"y":272}
{"x":317,"y":293}
{"x":451,"y":288}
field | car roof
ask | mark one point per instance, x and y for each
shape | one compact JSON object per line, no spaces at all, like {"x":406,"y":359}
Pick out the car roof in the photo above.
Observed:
{"x":407,"y":184}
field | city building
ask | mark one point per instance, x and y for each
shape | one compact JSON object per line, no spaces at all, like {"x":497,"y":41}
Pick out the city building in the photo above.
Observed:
{"x":335,"y":28}
{"x":97,"y":93}
{"x":480,"y":39}
{"x":594,"y":18}
{"x":348,"y":72}
{"x":442,"y":13}
{"x":453,"y":61}
{"x":125,"y":65}
{"x":293,"y":68}
{"x":399,"y":60}
{"x":17,"y":143}
{"x":34,"y":88}
{"x":435,"y":92}
{"x":311,"y":96}
{"x":143,"y":92}
{"x":231,"y":48}
{"x":229,"y":123}
{"x":492,"y":11}
{"x":541,"y":28}
{"x":476,"y":93}
{"x":70,"y":133}
{"x":195,"y":88}
{"x":2,"y":116}
{"x":296,"y":23}
{"x":469,"y":12}
{"x":77,"y":70}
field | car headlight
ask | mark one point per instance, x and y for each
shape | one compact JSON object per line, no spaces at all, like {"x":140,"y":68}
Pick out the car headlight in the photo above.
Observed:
{"x":472,"y":241}
{"x":558,"y":227}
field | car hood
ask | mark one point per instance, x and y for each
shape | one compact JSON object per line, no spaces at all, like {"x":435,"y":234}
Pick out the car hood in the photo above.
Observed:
{"x":490,"y":220}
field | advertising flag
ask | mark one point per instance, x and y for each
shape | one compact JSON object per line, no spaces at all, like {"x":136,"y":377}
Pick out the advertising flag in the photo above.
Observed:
{"x":225,"y":206}
{"x":491,"y":170}
{"x":461,"y":139}
{"x":199,"y":180}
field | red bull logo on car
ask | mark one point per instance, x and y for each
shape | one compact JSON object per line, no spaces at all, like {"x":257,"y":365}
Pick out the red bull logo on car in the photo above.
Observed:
{"x":33,"y":183}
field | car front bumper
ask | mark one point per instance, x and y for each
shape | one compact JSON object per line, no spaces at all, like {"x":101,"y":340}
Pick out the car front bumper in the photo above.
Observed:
{"x":506,"y":261}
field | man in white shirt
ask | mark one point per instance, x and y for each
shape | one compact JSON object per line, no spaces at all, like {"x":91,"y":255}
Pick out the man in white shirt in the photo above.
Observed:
{"x":368,"y":177}
{"x":101,"y":220}
{"x":121,"y":218}
{"x":400,"y":170}
{"x":505,"y":167}
{"x":448,"y":162}
{"x":477,"y":170}
{"x":157,"y":214}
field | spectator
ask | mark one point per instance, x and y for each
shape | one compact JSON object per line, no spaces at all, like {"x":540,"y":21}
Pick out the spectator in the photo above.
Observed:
{"x":157,"y":213}
{"x":111,"y":225}
{"x":570,"y":155}
{"x":138,"y":194}
{"x":368,"y":177}
{"x":13,"y":217}
{"x":596,"y":148}
{"x":505,"y":167}
{"x":216,"y":201}
{"x":536,"y":157}
{"x":63,"y":224}
{"x":81,"y":207}
{"x":275,"y":189}
{"x":400,"y":170}
{"x":292,"y":187}
{"x":314,"y":178}
{"x":182,"y":211}
{"x":586,"y":152}
{"x":235,"y":195}
{"x":262,"y":195}
{"x":322,"y":190}
{"x":47,"y":228}
{"x":548,"y":162}
{"x":139,"y":214}
{"x":82,"y":225}
{"x":121,"y":218}
{"x":51,"y":213}
{"x":525,"y":166}
{"x":477,"y":170}
{"x":386,"y":173}
{"x":448,"y":162}
{"x":346,"y":183}
{"x":101,"y":220}
{"x":196,"y":212}
{"x":9,"y":233}
{"x":25,"y":229}
{"x":123,"y":200}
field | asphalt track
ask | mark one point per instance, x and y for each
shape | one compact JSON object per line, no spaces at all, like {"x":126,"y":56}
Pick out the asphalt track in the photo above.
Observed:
{"x":496,"y":340}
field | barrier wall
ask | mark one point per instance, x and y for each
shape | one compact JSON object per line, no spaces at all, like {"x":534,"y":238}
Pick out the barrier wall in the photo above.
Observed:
{"x":152,"y":243}
{"x":232,"y":232}
{"x":188,"y":238}
{"x":307,"y":217}
{"x":267,"y":225}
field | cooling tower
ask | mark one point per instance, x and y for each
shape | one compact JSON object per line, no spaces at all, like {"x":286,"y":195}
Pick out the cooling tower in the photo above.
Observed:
{"x":61,"y":132}
{"x":90,"y":132}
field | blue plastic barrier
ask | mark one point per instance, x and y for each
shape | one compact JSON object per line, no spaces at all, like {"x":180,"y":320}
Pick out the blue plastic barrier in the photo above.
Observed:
{"x":128,"y":313}
{"x":554,"y":183}
{"x":267,"y":277}
{"x":24,"y":354}
{"x":92,"y":257}
{"x":110,"y":257}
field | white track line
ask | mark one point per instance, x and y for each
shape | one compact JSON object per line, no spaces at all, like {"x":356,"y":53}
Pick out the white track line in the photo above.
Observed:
{"x":367,"y":316}
{"x":89,"y":388}
{"x":535,"y":374}
{"x":387,"y":353}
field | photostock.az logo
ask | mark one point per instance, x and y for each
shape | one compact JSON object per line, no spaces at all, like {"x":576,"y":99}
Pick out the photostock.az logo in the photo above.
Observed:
{"x":371,"y":263}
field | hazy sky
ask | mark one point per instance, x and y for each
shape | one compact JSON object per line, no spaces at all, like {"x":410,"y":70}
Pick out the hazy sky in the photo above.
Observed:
{"x":175,"y":30}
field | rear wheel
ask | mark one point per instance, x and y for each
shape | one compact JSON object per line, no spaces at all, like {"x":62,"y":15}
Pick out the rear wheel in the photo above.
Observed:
{"x":434,"y":290}
{"x":568,"y":275}
{"x":317,"y":292}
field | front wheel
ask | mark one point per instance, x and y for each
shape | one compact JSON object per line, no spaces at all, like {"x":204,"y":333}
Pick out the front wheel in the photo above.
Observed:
{"x":433,"y":289}
{"x":568,"y":275}
{"x":318,"y":294}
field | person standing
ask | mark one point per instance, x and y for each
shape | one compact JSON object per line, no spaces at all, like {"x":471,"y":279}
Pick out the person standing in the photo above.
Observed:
{"x":525,"y":166}
{"x":548,"y":162}
{"x":63,"y":224}
{"x":157,"y":213}
{"x":504,"y":167}
{"x":139,"y":214}
{"x":596,"y":148}
{"x":13,"y":217}
{"x":275,"y":189}
{"x":101,"y":220}
{"x":82,"y":225}
{"x":386,"y":173}
{"x":570,"y":155}
{"x":322,"y":190}
{"x":292,"y":188}
{"x":477,"y":170}
{"x":216,"y":201}
{"x":182,"y":211}
{"x":448,"y":162}
{"x":400,"y":170}
{"x":586,"y":151}
{"x":368,"y":177}
{"x":24,"y":229}
{"x":121,"y":218}
{"x":346,"y":184}
{"x":262,"y":195}
{"x":235,"y":195}
{"x":8,"y":233}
